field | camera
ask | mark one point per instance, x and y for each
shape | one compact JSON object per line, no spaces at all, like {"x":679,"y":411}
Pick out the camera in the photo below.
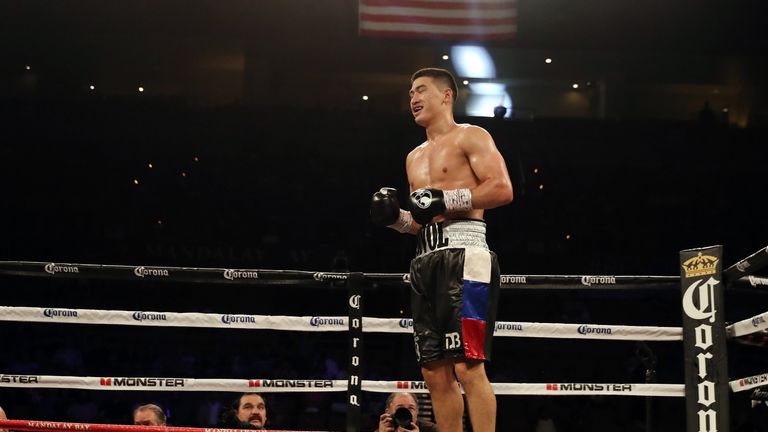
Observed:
{"x":402,"y":418}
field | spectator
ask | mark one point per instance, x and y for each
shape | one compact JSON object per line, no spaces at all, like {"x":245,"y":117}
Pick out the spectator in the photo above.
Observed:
{"x":407,"y":401}
{"x":249,"y":411}
{"x":707,"y":115}
{"x":3,"y":417}
{"x":149,"y":415}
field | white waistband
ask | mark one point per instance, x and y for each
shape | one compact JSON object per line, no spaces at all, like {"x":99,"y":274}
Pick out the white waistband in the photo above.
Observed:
{"x":450,"y":234}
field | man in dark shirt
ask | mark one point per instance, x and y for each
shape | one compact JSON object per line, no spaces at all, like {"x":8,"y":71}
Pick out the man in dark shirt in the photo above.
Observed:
{"x":407,"y":401}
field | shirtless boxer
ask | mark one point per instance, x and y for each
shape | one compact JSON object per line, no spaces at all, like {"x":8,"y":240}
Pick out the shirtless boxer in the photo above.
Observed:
{"x":454,"y":176}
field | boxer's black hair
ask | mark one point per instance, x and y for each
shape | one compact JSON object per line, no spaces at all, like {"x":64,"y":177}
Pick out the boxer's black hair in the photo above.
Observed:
{"x":442,"y":76}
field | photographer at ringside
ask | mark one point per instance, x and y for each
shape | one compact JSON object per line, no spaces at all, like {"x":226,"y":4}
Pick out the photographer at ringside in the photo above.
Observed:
{"x":402,"y":414}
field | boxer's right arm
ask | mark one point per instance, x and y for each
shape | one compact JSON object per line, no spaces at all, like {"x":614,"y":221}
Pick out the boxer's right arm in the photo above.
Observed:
{"x":385,"y":211}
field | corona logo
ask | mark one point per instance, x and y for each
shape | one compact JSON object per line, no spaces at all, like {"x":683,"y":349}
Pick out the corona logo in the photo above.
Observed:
{"x":52,"y":268}
{"x":149,"y":316}
{"x":321,"y":321}
{"x":230,"y":274}
{"x":53,"y":313}
{"x":320,"y":276}
{"x":699,"y":300}
{"x":602,"y":280}
{"x":513,"y":279}
{"x":143,"y":271}
{"x":238,"y":319}
{"x":585,"y":330}
{"x":700,"y":265}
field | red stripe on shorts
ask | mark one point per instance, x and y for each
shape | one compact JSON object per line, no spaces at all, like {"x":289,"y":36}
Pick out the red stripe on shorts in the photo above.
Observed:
{"x":473,"y":333}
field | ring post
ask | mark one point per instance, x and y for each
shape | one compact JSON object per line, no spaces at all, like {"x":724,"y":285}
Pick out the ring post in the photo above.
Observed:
{"x":704,"y":340}
{"x":354,"y":385}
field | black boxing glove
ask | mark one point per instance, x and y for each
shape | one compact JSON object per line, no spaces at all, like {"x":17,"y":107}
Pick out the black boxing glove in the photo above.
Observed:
{"x":425,"y":204}
{"x":385,"y":211}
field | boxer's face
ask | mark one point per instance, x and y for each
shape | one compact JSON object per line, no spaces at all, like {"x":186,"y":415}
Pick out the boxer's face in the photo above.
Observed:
{"x":252,"y":410}
{"x":427,"y":100}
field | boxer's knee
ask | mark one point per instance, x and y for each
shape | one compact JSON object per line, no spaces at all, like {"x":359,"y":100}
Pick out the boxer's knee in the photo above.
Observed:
{"x":438,"y":375}
{"x":470,"y":371}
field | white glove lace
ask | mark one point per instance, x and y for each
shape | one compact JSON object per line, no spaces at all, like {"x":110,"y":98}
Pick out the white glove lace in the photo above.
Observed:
{"x":457,"y":200}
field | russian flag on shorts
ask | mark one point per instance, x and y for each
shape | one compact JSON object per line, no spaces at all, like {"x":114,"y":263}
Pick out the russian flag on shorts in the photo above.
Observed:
{"x":474,"y":310}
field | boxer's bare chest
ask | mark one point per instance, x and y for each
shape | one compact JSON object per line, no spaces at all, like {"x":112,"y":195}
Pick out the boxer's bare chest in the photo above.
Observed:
{"x":439,"y":164}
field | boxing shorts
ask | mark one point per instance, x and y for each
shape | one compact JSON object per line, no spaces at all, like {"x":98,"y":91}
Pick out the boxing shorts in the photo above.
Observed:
{"x":454,"y":291}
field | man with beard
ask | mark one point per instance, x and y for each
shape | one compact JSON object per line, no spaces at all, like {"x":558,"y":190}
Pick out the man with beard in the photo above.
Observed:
{"x":249,"y":411}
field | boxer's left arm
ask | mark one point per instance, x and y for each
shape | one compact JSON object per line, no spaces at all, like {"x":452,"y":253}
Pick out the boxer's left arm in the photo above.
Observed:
{"x":487,"y":163}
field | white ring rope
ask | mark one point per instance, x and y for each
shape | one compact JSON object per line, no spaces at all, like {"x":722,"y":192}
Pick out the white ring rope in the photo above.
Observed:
{"x":355,"y":323}
{"x":748,"y":383}
{"x":321,"y":385}
{"x":754,"y":281}
{"x":748,"y":326}
{"x":323,"y":323}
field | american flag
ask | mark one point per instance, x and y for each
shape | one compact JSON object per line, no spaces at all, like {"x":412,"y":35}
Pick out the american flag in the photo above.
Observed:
{"x":439,"y":19}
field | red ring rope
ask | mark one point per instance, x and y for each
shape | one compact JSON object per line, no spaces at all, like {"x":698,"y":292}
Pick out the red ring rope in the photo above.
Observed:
{"x":51,"y":426}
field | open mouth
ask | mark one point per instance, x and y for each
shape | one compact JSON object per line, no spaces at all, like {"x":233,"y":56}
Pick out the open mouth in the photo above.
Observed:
{"x":416,"y":109}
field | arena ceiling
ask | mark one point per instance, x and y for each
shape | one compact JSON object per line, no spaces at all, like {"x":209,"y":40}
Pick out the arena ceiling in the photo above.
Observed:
{"x":308,"y":51}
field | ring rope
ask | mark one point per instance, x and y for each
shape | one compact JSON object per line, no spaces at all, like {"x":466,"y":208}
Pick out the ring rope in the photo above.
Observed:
{"x":265,"y":277}
{"x":743,"y":268}
{"x":750,"y":281}
{"x":748,"y":326}
{"x":320,"y":385}
{"x":748,"y":383}
{"x":759,"y":339}
{"x":48,"y":426}
{"x":320,"y":323}
{"x":748,"y":265}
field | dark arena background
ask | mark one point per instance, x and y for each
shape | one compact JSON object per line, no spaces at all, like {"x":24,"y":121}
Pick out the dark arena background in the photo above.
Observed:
{"x":251,"y":135}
